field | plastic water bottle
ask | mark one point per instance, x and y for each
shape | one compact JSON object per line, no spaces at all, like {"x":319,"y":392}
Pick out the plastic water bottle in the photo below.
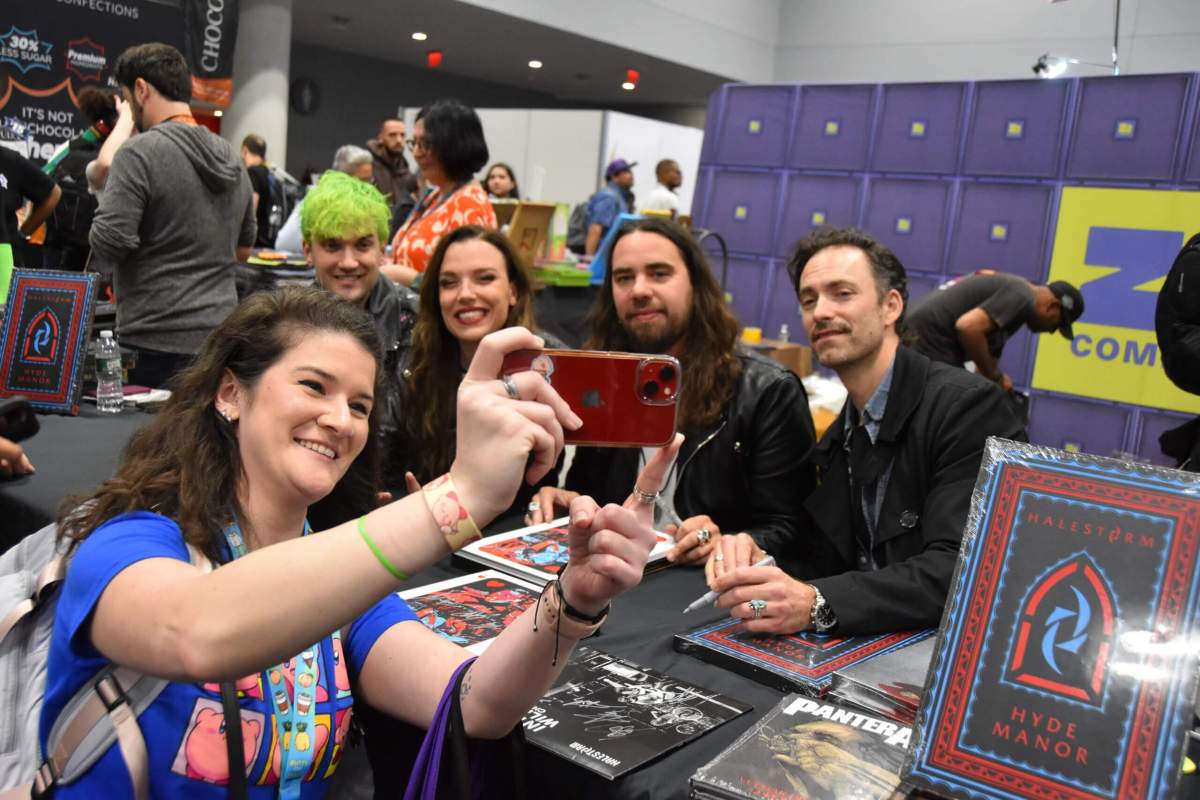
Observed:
{"x":110,"y":395}
{"x":783,"y":332}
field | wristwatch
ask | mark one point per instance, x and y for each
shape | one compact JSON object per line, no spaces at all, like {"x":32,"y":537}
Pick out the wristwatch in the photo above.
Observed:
{"x":822,"y":616}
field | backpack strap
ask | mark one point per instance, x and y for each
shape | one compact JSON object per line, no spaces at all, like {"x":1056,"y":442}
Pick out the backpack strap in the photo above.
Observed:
{"x":50,"y":576}
{"x":105,"y":709}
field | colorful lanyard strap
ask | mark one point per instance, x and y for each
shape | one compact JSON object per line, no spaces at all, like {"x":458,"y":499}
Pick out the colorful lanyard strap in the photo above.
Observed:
{"x":295,"y":718}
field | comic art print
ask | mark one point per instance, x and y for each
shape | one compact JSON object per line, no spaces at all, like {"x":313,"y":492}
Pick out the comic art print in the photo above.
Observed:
{"x":472,"y":610}
{"x":539,"y":552}
{"x":804,"y":660}
{"x":1064,"y":666}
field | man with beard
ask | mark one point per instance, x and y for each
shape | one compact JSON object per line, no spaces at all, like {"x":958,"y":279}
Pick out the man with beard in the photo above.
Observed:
{"x":743,"y":466}
{"x":176,"y":215}
{"x":897,"y":467}
{"x":391,"y":167}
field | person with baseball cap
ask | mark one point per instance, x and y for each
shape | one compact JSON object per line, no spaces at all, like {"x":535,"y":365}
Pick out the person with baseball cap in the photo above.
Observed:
{"x":970,"y":318}
{"x":614,"y":199}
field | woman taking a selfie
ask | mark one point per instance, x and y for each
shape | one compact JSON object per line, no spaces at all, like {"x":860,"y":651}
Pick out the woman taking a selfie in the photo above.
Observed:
{"x":475,"y":285}
{"x":275,"y":413}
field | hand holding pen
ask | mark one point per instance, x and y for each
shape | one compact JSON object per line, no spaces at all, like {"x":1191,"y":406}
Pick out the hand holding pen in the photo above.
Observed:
{"x":708,"y":598}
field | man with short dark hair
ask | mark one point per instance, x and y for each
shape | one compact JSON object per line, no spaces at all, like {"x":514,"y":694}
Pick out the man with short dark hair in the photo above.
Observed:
{"x":254,"y":156}
{"x":748,"y":429}
{"x":970,"y":318}
{"x":663,"y":197}
{"x":612,"y":200}
{"x":391,"y":167}
{"x":176,"y":215}
{"x":897,"y":467}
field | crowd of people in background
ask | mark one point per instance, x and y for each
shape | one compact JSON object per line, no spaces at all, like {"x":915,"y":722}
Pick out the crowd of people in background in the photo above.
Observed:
{"x":349,"y":405}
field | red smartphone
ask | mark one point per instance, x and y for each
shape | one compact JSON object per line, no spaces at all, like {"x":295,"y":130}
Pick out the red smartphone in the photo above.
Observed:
{"x":624,"y":399}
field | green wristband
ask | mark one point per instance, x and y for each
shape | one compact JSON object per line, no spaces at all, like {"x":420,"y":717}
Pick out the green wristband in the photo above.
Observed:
{"x":366,"y":537}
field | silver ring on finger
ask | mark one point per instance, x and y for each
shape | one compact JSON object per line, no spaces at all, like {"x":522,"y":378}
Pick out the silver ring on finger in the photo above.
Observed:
{"x":645,"y":498}
{"x":704,"y":536}
{"x":757,"y":608}
{"x":720,"y":556}
{"x":534,"y":505}
{"x":510,"y":386}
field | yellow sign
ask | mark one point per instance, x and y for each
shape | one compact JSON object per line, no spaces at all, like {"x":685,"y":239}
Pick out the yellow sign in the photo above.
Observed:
{"x":818,"y":218}
{"x":1015,"y":129}
{"x":1116,"y":246}
{"x":754,"y":126}
{"x":832,"y":127}
{"x":917,"y":128}
{"x":739,"y":212}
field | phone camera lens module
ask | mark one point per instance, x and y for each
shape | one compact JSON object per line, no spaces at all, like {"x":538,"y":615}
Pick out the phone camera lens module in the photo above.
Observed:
{"x":649,"y":389}
{"x":667,"y":373}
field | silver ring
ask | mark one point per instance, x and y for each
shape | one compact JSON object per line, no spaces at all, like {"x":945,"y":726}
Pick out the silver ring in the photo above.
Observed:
{"x":510,"y":386}
{"x":758,"y":607}
{"x":645,"y":498}
{"x":535,"y":506}
{"x":704,"y":536}
{"x":720,"y":556}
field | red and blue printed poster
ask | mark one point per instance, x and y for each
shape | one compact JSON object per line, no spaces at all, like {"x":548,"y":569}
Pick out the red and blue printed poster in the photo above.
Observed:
{"x":1066,"y":661}
{"x":44,"y":338}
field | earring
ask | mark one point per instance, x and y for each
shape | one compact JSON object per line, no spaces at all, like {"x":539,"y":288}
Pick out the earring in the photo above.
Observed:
{"x":225,"y":415}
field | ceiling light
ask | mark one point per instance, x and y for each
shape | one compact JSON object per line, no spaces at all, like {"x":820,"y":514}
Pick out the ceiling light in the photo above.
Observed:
{"x":629,"y":86}
{"x":218,"y":113}
{"x":535,"y":64}
{"x":420,"y":37}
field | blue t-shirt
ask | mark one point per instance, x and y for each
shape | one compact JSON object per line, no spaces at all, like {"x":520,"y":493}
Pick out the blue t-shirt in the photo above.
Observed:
{"x":184,"y":726}
{"x":606,"y":205}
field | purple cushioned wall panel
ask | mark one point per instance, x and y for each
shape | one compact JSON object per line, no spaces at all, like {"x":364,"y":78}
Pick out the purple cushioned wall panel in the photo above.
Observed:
{"x":921,"y":284}
{"x":1154,"y":424}
{"x":741,"y":207}
{"x":1076,"y":424}
{"x":1126,"y":128}
{"x":754,"y":126}
{"x":919,"y":128}
{"x":781,"y":306}
{"x":1000,"y":227}
{"x":814,"y":200}
{"x":910,"y":217}
{"x":1016,"y":128}
{"x":746,"y":283}
{"x":833,"y":130}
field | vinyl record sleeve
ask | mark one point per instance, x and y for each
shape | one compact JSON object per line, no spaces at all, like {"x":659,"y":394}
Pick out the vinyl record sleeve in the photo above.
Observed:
{"x":890,"y":684}
{"x":611,"y":715}
{"x":539,"y":552}
{"x":1065,"y":665}
{"x":472,"y":610}
{"x":806,"y":749}
{"x":43,"y":341}
{"x":803,"y":662}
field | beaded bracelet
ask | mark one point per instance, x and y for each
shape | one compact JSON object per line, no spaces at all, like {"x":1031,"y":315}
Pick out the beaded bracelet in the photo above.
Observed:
{"x":366,"y":537}
{"x":453,"y":520}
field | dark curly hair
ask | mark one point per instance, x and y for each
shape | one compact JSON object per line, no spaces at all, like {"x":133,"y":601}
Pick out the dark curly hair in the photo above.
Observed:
{"x":186,"y":464}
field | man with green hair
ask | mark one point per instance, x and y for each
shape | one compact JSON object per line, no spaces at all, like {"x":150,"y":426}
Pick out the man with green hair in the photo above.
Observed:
{"x":344,"y":222}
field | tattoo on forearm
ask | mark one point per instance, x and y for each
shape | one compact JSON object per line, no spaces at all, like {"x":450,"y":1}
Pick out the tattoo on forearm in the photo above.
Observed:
{"x":466,"y":684}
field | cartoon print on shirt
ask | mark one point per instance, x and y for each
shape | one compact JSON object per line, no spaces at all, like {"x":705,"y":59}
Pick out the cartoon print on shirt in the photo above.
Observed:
{"x":340,"y":731}
{"x":249,"y":686}
{"x":316,"y":739}
{"x":340,"y":676}
{"x":202,"y":754}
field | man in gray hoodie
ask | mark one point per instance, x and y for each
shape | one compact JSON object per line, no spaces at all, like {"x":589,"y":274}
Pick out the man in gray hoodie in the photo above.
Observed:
{"x":176,"y":215}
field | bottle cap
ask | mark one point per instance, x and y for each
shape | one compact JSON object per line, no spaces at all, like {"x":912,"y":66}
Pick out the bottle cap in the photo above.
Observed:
{"x":105,"y":334}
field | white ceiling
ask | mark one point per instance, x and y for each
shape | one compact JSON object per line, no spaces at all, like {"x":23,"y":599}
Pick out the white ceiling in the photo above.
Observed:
{"x":496,"y":47}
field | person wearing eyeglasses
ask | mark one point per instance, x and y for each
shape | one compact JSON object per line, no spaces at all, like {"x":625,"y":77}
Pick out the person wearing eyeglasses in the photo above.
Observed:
{"x":448,"y":146}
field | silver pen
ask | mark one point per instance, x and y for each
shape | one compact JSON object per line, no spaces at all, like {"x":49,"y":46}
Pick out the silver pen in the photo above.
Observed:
{"x":711,"y":597}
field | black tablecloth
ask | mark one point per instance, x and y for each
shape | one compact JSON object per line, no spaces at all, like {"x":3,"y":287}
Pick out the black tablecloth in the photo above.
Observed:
{"x":73,"y":455}
{"x":640,"y":628}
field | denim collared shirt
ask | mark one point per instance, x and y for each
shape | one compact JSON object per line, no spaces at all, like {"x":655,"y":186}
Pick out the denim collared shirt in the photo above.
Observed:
{"x":872,"y":495}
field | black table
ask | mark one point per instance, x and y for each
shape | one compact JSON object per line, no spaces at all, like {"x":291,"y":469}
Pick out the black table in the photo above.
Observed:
{"x":72,"y":455}
{"x":640,"y":628}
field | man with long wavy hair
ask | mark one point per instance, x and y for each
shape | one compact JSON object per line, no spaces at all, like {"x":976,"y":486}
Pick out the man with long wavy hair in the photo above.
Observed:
{"x":743,"y":466}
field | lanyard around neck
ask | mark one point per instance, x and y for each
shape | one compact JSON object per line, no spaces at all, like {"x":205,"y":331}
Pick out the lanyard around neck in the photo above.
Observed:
{"x":295,"y":717}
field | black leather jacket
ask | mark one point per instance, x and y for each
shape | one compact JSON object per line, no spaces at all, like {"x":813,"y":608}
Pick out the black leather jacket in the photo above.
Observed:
{"x":748,"y":471}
